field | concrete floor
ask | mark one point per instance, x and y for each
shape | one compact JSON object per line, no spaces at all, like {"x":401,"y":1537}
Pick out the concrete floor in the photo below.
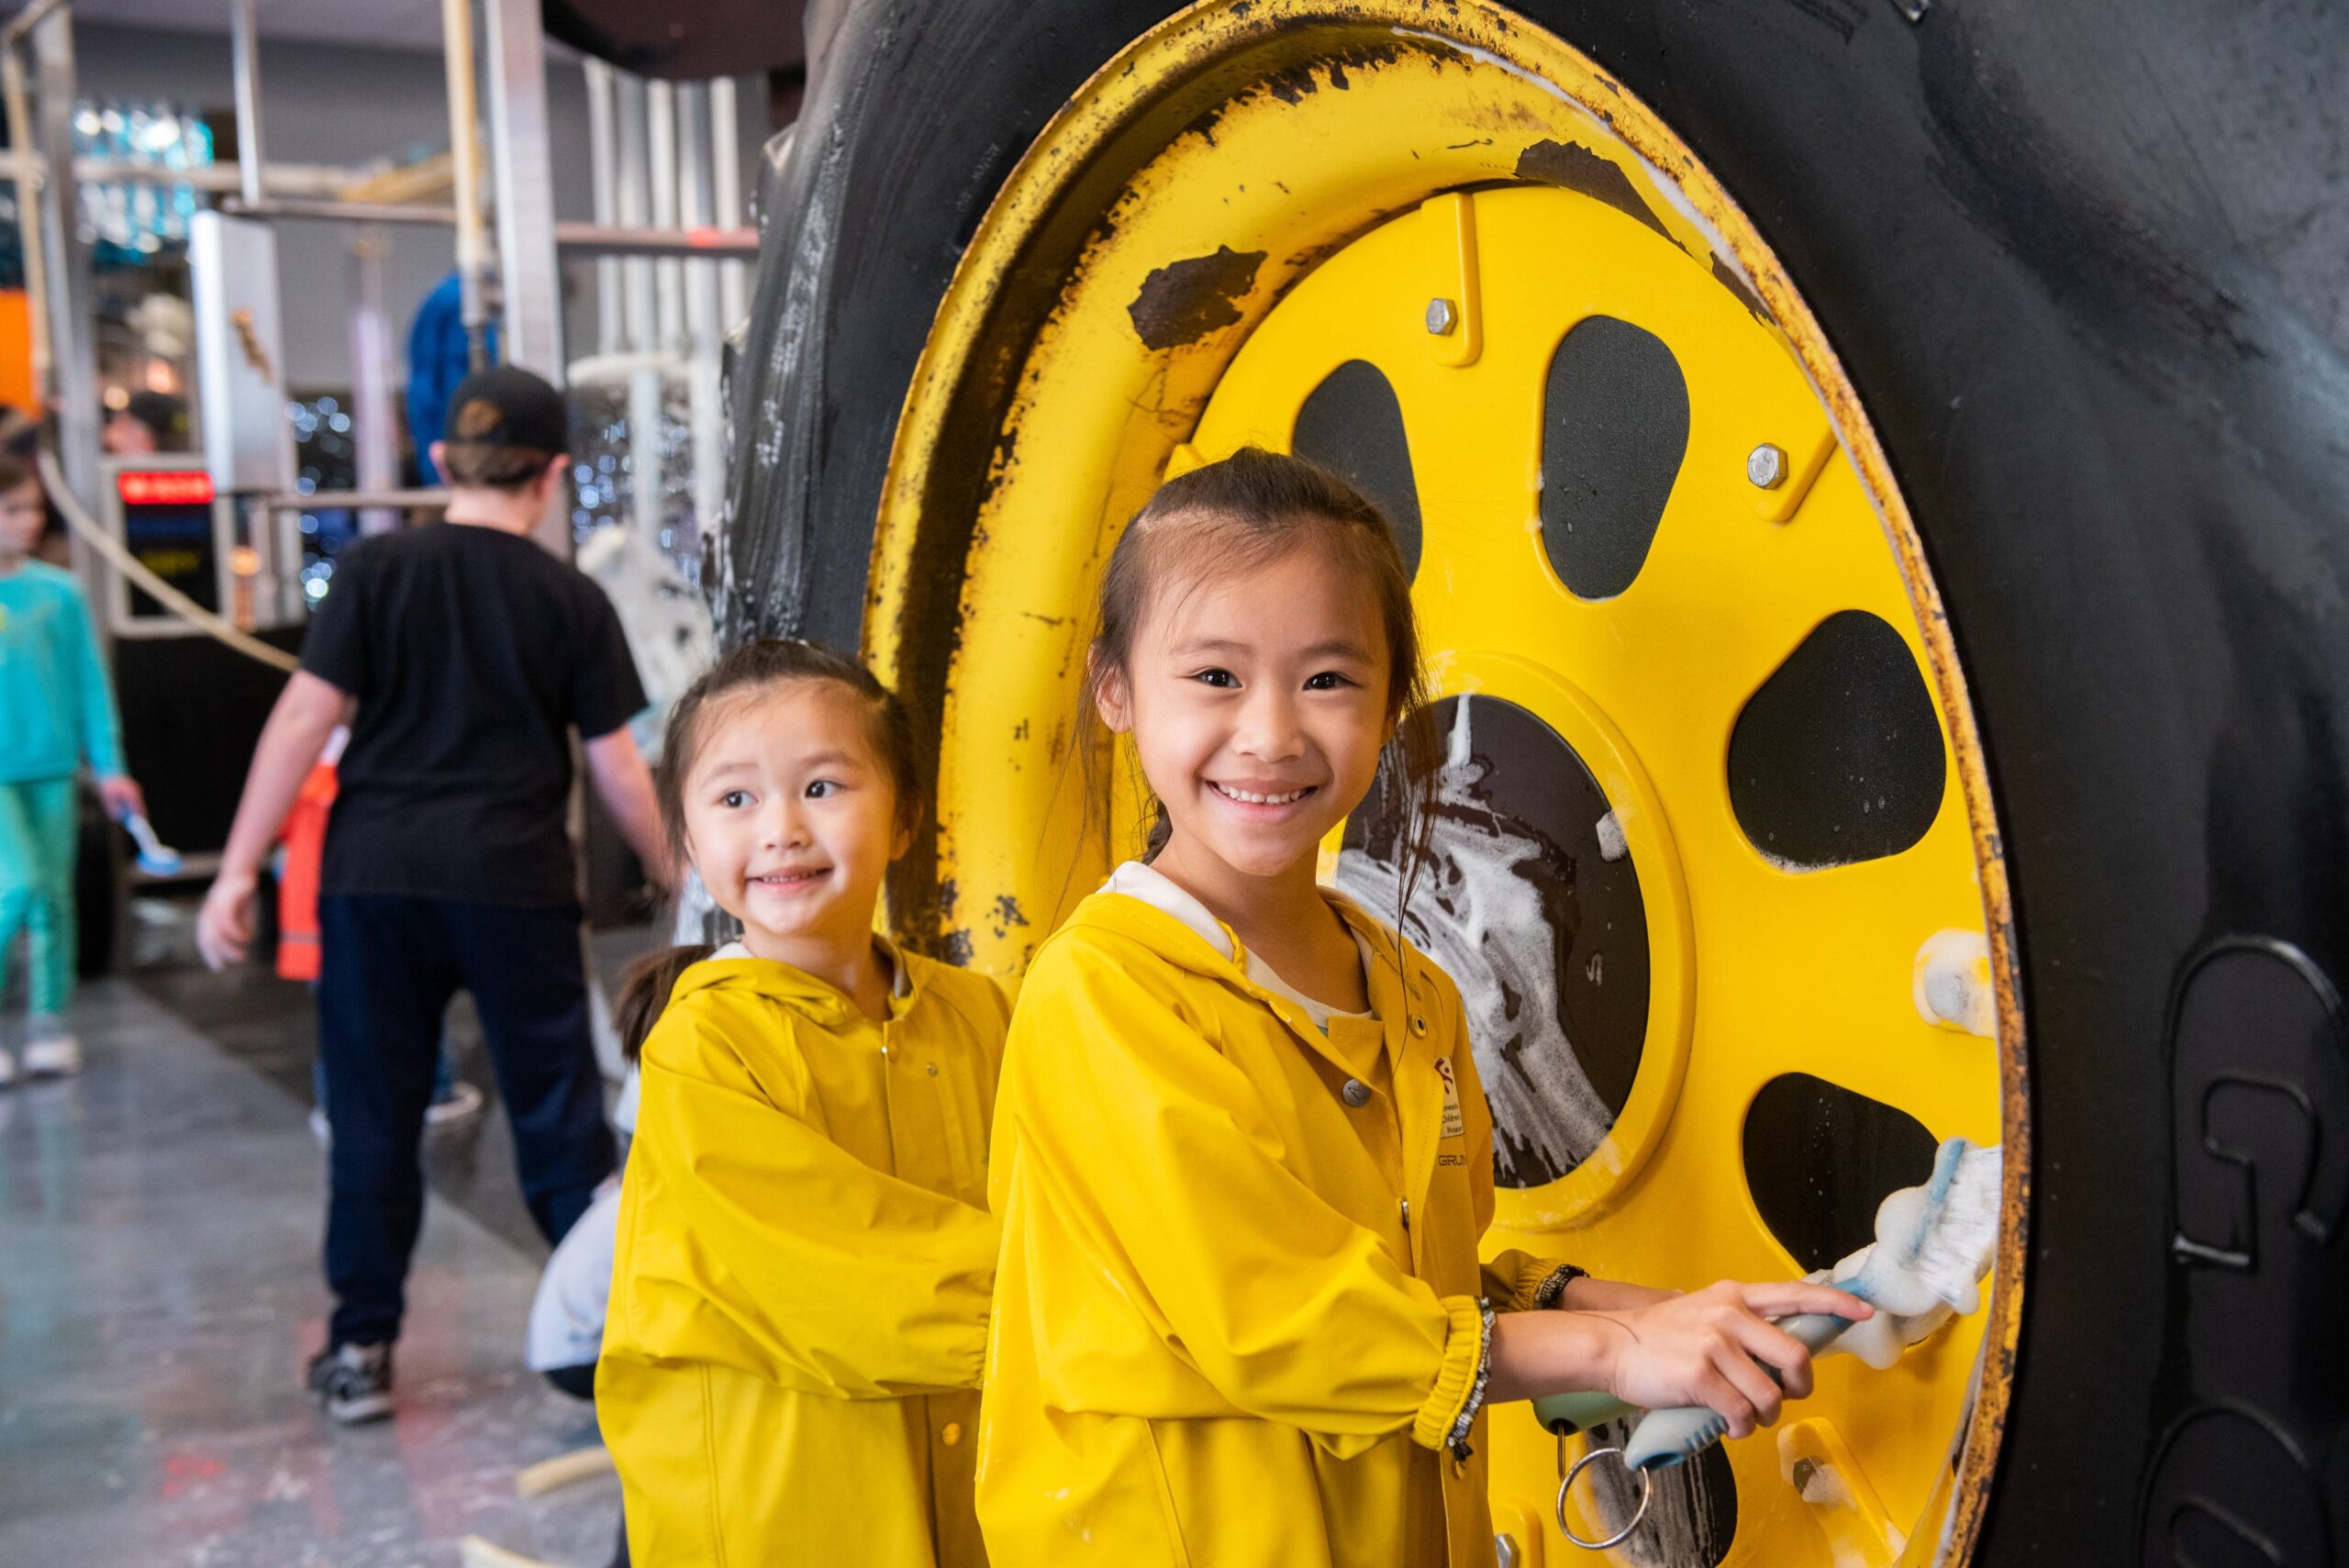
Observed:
{"x":159,"y":1293}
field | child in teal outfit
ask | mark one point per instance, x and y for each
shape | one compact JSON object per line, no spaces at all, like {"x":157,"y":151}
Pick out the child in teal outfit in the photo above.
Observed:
{"x":56,"y":712}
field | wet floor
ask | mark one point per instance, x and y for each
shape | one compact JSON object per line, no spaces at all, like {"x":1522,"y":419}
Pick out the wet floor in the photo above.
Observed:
{"x":159,"y":1295}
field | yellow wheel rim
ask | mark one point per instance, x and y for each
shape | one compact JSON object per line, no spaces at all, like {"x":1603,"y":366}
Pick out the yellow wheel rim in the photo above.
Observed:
{"x":1254,"y":194}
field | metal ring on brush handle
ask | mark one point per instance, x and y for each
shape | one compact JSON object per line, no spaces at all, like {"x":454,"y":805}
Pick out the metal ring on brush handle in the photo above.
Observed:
{"x":1647,"y":1495}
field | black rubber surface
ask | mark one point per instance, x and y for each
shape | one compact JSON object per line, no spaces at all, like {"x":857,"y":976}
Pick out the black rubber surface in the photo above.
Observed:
{"x":1353,"y":424}
{"x":2083,"y":261}
{"x":1819,"y":1158}
{"x":1836,"y":758}
{"x":1614,"y":429}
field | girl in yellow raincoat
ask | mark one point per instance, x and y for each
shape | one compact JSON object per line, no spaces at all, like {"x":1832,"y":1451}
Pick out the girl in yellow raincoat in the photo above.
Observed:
{"x":1242,"y":1156}
{"x":799,"y":1295}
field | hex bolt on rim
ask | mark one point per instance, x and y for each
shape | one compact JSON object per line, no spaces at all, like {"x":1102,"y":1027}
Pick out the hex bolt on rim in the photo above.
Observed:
{"x":1765,"y":465}
{"x":1442,"y":317}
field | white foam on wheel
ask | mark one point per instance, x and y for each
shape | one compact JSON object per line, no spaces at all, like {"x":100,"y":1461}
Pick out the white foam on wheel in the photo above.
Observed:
{"x":1487,"y":926}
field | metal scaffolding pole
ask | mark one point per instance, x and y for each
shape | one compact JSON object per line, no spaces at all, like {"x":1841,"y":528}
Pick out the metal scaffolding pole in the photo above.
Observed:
{"x":602,"y":156}
{"x":633,"y":199}
{"x":71,"y":299}
{"x":374,"y":414}
{"x":702,"y":326}
{"x":530,"y":286}
{"x":726,"y":188}
{"x":668,"y":277}
{"x":244,"y":41}
{"x":464,"y":173}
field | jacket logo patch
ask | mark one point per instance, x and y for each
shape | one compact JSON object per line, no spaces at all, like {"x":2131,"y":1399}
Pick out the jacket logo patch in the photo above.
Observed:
{"x":1454,"y":1126}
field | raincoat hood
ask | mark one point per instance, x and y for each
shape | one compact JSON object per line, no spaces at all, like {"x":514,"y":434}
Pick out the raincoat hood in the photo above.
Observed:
{"x":735,"y":971}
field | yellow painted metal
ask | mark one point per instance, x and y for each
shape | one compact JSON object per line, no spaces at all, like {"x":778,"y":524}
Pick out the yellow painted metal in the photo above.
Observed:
{"x":1329,"y":191}
{"x":1816,"y":1461}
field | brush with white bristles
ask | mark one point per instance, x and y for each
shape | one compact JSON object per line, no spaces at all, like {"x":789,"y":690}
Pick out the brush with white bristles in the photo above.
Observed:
{"x":1933,"y":1244}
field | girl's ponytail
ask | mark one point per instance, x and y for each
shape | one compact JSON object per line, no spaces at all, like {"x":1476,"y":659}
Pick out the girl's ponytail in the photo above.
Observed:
{"x":644,"y":992}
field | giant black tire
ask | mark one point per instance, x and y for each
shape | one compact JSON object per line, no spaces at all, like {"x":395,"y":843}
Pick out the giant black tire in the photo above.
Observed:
{"x":2083,"y":261}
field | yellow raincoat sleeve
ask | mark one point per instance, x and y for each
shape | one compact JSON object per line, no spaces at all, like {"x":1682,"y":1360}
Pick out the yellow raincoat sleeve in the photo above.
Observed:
{"x":1510,"y":1278}
{"x":1156,"y":1152}
{"x":765,"y":1247}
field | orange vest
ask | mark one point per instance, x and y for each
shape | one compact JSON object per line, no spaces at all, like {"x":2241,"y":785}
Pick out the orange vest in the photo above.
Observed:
{"x":297,"y":885}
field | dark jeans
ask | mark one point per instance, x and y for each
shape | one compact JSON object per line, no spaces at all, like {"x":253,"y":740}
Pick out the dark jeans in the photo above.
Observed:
{"x":390,"y":966}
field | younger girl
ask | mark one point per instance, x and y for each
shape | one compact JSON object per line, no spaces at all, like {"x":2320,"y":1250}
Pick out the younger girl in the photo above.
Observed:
{"x":800,"y":1288}
{"x":1243,"y":1158}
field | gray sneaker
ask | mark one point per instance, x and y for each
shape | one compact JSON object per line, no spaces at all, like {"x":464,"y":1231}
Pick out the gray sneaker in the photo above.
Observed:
{"x":353,"y":1383}
{"x":52,"y":1056}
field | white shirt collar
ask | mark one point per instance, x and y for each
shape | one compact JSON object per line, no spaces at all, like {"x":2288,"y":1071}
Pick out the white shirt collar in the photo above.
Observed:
{"x":1158,"y":890}
{"x":900,"y":982}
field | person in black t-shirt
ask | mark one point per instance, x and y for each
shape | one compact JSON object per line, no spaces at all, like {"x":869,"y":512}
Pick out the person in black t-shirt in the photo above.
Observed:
{"x":470,"y":655}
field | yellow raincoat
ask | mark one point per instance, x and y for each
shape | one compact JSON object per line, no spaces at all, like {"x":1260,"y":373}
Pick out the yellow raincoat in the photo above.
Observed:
{"x":1236,"y":1317}
{"x":799,"y":1295}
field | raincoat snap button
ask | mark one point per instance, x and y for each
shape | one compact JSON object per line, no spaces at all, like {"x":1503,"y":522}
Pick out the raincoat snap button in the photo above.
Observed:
{"x":950,"y":1433}
{"x":1356,"y":1093}
{"x":1419,"y":1025}
{"x":930,"y":1068}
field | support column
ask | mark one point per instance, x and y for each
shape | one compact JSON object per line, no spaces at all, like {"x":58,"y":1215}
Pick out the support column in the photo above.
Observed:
{"x":702,"y":325}
{"x":633,"y":200}
{"x":73,"y":309}
{"x":530,"y":286}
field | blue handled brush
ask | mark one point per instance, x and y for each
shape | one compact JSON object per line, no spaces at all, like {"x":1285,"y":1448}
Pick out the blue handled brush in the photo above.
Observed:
{"x":155,"y":857}
{"x":1932,"y":1244}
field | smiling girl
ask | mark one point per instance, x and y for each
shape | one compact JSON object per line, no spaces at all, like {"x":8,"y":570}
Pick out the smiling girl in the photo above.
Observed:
{"x":799,"y":1298}
{"x":1243,"y":1158}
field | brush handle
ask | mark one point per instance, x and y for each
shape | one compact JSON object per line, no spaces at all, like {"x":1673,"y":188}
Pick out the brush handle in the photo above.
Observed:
{"x":1666,"y":1437}
{"x":155,"y":857}
{"x":1567,"y":1414}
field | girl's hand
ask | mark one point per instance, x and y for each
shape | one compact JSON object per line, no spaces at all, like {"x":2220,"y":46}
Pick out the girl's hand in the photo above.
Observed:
{"x":119,"y":794}
{"x":1709,"y":1348}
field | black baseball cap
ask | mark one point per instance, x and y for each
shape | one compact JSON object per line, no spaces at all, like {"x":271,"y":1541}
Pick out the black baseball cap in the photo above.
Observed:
{"x":508,"y":406}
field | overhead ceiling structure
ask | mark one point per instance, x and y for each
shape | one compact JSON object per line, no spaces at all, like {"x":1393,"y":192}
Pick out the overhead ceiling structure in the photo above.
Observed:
{"x":683,"y":39}
{"x":680,"y":39}
{"x":386,"y":24}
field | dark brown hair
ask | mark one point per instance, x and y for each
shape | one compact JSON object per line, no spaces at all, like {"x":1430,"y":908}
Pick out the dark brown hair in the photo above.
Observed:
{"x":644,"y":991}
{"x":489,"y":465}
{"x":1231,"y":517}
{"x":15,"y":471}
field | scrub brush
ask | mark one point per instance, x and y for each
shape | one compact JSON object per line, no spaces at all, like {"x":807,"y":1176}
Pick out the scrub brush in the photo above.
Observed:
{"x":1933,"y":1244}
{"x":155,"y":857}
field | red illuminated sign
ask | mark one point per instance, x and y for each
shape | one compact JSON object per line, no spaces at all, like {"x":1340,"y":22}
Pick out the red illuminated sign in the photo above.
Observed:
{"x":164,"y":487}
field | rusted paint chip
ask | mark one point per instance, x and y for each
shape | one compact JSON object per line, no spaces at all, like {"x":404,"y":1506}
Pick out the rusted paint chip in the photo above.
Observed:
{"x":1726,"y":275}
{"x":1579,"y":169}
{"x":1183,"y":301}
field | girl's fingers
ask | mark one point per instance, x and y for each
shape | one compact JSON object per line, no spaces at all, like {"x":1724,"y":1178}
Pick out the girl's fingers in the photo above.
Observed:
{"x":1785,"y":1298}
{"x":1746,"y":1374}
{"x":1772,"y":1345}
{"x":1716,"y":1391}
